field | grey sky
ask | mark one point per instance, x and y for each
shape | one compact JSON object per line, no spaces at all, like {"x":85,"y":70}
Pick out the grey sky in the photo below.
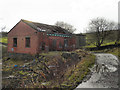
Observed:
{"x":75,"y":12}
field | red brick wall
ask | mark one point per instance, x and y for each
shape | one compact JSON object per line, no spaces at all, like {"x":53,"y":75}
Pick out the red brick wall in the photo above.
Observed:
{"x":71,"y":42}
{"x":58,"y":40}
{"x":21,"y":30}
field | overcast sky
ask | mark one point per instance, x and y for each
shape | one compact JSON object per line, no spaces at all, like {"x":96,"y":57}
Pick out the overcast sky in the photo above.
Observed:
{"x":75,"y":12}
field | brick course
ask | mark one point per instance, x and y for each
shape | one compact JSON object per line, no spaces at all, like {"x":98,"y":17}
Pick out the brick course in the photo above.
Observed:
{"x":22,"y":30}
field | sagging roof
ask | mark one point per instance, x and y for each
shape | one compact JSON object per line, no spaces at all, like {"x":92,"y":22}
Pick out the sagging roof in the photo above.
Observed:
{"x":80,"y":34}
{"x":45,"y":27}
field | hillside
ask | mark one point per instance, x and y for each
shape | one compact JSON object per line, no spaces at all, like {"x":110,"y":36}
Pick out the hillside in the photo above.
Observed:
{"x":109,"y":39}
{"x":3,"y":40}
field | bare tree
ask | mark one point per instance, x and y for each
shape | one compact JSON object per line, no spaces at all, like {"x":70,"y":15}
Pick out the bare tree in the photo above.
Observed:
{"x":100,"y":28}
{"x":66,"y":26}
{"x":2,"y":32}
{"x":3,"y":28}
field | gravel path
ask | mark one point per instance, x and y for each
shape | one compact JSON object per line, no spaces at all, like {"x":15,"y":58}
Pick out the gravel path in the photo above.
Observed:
{"x":104,"y":72}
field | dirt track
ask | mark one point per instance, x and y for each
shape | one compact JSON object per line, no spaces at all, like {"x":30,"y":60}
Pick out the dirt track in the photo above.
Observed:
{"x":103,"y":78}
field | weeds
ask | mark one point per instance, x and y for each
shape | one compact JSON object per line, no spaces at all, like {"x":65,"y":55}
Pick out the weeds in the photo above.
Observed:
{"x":67,"y":73}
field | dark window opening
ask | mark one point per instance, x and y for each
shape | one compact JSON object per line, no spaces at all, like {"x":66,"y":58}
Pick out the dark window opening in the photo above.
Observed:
{"x":60,"y":45}
{"x":54,"y":44}
{"x":14,"y":42}
{"x":27,"y":42}
{"x":43,"y":46}
{"x":65,"y":43}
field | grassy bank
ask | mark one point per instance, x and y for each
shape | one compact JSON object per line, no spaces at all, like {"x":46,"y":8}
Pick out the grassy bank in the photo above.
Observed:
{"x":4,"y":40}
{"x":115,"y":51}
{"x":104,"y":44}
{"x":67,"y":73}
{"x":75,"y":74}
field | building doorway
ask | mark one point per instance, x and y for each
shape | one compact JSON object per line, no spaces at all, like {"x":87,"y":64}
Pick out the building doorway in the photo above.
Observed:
{"x":43,"y":45}
{"x":54,"y":45}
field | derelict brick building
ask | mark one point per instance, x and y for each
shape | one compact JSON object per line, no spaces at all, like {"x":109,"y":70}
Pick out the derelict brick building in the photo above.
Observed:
{"x":32,"y":38}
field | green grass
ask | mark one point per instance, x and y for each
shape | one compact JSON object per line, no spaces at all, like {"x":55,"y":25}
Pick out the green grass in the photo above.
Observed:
{"x":51,"y":53}
{"x":104,"y":44}
{"x":75,"y":75}
{"x":114,"y":51}
{"x":108,"y":43}
{"x":4,"y":40}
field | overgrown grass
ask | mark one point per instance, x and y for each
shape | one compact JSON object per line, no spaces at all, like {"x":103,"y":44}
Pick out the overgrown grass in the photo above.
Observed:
{"x":115,"y":51}
{"x":52,"y":53}
{"x":72,"y":75}
{"x":75,"y":74}
{"x":4,"y":39}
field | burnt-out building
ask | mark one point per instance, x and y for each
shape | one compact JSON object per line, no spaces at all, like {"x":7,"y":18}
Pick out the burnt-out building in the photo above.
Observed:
{"x":32,"y":38}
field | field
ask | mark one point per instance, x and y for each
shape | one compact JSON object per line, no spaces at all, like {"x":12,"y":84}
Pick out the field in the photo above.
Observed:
{"x":110,"y":39}
{"x":3,"y":39}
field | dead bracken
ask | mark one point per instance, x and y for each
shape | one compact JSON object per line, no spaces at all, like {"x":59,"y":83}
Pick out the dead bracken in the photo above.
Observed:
{"x":48,"y":70}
